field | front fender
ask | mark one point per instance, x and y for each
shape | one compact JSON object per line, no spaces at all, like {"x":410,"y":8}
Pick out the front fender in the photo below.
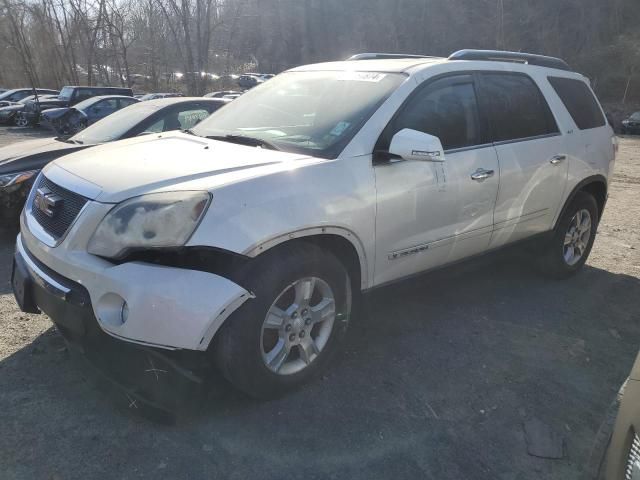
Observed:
{"x":335,"y":197}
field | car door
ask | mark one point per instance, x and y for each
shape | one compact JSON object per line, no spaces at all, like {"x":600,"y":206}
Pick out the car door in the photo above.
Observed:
{"x":432,"y":213}
{"x":532,"y":154}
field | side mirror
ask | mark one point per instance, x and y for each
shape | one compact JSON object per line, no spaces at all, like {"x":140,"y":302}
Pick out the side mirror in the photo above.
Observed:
{"x":413,"y":145}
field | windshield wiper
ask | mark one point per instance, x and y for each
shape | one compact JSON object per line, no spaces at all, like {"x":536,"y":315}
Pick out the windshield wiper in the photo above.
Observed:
{"x":68,"y":140}
{"x":243,"y":140}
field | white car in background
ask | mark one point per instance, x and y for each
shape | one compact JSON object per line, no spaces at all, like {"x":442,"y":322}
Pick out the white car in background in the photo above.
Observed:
{"x":247,"y":239}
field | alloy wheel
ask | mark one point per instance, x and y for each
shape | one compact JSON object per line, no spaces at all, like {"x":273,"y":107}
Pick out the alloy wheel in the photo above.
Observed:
{"x":577,"y":237}
{"x":21,"y":121}
{"x":298,"y":325}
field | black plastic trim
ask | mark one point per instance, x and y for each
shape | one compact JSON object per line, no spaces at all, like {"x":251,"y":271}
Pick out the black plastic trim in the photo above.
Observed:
{"x":587,"y":181}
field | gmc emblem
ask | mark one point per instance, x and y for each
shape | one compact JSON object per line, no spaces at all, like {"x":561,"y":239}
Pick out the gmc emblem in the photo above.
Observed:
{"x":47,"y":202}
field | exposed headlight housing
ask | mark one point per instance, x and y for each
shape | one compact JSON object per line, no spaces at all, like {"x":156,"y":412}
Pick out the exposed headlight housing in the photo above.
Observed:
{"x":11,"y":179}
{"x":156,"y":220}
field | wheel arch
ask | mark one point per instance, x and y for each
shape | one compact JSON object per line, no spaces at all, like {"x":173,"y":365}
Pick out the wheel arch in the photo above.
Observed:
{"x":341,"y":242}
{"x":596,"y":186}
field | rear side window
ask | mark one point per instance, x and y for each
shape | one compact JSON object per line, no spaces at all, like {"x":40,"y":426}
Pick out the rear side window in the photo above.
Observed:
{"x":517,"y":108}
{"x":580,"y":102}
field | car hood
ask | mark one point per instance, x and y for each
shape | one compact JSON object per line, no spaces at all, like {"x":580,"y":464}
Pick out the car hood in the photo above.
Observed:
{"x":33,"y":154}
{"x":55,"y":112}
{"x":171,"y":161}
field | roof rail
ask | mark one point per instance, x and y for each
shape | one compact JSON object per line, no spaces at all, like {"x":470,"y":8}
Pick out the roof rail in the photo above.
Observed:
{"x":516,"y":57}
{"x":378,"y":56}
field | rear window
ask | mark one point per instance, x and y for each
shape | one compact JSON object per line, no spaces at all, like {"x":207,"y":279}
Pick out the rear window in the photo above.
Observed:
{"x":579,"y":101}
{"x":517,"y":108}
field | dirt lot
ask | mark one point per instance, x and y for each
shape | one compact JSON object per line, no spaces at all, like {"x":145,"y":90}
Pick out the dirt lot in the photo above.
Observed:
{"x":436,"y":382}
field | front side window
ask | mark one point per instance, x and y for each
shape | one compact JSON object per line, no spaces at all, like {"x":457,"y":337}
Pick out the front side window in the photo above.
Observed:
{"x":447,"y":109}
{"x":516,"y":107}
{"x":311,"y":112}
{"x":579,"y":101}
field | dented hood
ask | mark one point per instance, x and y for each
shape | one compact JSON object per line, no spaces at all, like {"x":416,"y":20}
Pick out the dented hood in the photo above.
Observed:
{"x":170,"y":161}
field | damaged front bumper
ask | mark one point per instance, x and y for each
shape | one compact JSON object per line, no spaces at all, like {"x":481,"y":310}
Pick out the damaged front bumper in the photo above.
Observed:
{"x":154,"y":379}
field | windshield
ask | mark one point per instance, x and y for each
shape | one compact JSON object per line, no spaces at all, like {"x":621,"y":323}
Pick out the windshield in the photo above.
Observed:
{"x":115,"y":125}
{"x":65,"y":93}
{"x":315,"y":113}
{"x":6,"y":94}
{"x":86,"y":103}
{"x":635,"y":116}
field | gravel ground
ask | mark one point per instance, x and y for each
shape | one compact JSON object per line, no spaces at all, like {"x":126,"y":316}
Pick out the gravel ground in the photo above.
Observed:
{"x":437,"y":380}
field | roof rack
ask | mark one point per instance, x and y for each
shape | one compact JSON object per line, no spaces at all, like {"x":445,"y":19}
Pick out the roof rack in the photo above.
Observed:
{"x":378,"y":56}
{"x":516,"y":57}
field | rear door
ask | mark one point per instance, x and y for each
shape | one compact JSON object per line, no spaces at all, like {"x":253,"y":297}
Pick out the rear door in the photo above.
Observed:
{"x":532,"y":154}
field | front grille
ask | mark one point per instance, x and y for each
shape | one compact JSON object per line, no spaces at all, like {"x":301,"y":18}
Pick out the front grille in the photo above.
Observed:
{"x":64,"y":214}
{"x":633,"y":463}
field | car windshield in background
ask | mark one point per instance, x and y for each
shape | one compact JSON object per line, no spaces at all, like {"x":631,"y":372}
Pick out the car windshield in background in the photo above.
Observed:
{"x":7,"y":94}
{"x":315,"y":113}
{"x":115,"y":125}
{"x":65,"y":93}
{"x":635,"y":117}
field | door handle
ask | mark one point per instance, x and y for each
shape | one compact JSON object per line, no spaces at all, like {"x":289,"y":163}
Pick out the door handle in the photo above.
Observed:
{"x":556,"y":159}
{"x":482,"y":174}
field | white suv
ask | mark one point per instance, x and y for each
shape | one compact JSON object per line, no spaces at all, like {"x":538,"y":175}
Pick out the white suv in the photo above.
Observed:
{"x":249,"y":237}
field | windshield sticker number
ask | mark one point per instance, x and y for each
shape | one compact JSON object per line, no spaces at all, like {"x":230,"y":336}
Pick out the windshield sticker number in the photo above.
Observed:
{"x":362,"y":76}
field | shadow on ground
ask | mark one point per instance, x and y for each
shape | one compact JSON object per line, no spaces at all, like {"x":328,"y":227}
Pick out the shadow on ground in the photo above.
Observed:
{"x":436,"y":381}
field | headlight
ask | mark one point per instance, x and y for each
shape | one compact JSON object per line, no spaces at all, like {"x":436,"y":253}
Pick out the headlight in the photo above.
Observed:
{"x":16,"y":178}
{"x":625,"y":122}
{"x":155,"y":220}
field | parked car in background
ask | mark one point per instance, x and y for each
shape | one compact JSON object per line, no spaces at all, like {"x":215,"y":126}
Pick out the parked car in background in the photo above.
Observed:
{"x":2,"y":90}
{"x":70,"y":120}
{"x":156,"y":96}
{"x":271,"y":216}
{"x":20,"y":162}
{"x":12,"y":114}
{"x":68,"y":97}
{"x":232,"y":96}
{"x":222,"y":93}
{"x":631,"y":126}
{"x":247,"y":81}
{"x":17,"y":94}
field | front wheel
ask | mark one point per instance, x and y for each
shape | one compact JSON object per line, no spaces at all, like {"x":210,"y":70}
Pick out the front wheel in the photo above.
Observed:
{"x":21,"y":121}
{"x":573,"y":238}
{"x":288,"y":333}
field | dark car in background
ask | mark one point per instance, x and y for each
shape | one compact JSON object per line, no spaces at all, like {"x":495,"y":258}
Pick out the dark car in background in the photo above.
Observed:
{"x":17,"y":94}
{"x":70,"y":120}
{"x":20,"y":162}
{"x":631,"y":126}
{"x":12,"y":114}
{"x":69,"y":96}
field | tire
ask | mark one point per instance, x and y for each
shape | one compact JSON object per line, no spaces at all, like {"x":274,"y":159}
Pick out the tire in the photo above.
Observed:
{"x":21,"y":121}
{"x":556,"y":260}
{"x":245,"y":349}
